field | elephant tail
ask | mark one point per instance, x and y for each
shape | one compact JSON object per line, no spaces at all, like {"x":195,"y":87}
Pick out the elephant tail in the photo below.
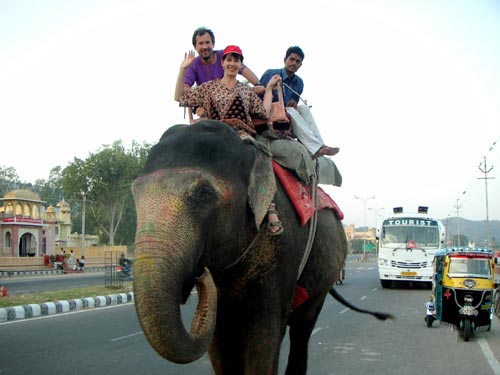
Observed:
{"x":342,"y":300}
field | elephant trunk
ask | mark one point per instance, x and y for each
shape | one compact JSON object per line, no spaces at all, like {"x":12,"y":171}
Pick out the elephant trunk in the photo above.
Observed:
{"x":158,"y":285}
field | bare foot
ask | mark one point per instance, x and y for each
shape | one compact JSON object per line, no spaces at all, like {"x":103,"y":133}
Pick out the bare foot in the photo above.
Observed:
{"x":326,"y":150}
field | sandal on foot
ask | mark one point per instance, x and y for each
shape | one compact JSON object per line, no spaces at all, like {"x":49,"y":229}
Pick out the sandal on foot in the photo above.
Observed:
{"x":274,"y":224}
{"x":271,"y":225}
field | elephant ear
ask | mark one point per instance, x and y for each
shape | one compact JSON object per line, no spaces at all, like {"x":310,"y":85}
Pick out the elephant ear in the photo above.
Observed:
{"x":262,"y":184}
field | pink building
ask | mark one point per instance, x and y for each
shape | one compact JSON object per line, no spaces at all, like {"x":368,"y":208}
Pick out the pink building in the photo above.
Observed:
{"x":29,"y":228}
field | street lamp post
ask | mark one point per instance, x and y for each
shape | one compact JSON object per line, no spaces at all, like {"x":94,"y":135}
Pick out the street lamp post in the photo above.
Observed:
{"x":376,"y":210}
{"x":364,"y":221}
{"x":83,"y":223}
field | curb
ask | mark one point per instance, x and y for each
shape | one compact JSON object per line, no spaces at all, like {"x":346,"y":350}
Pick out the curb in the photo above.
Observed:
{"x":52,"y":308}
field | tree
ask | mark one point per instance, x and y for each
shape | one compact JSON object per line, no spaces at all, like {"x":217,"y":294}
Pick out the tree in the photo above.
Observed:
{"x":106,"y":178}
{"x":9,"y":180}
{"x":50,"y":191}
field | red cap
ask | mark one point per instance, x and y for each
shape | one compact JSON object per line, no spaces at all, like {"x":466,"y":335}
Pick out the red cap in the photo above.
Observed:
{"x":232,"y":49}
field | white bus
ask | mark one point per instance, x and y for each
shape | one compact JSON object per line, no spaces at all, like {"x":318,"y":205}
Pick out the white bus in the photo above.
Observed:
{"x":407,"y":243}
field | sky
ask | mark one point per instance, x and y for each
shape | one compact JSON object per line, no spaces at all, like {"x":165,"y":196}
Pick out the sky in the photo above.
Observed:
{"x":409,"y":90}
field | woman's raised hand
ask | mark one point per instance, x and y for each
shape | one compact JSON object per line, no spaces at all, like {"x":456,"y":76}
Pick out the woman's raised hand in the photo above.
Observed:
{"x":273,"y":81}
{"x":188,"y":59}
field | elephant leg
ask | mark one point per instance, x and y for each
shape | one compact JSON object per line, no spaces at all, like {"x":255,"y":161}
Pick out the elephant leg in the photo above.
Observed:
{"x":247,"y":346}
{"x":301,"y":327}
{"x":263,"y":349}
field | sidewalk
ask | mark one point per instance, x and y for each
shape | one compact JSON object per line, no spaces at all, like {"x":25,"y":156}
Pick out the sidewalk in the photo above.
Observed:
{"x":51,"y":308}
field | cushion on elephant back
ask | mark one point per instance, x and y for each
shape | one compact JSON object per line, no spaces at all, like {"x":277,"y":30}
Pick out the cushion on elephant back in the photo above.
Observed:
{"x":300,"y":195}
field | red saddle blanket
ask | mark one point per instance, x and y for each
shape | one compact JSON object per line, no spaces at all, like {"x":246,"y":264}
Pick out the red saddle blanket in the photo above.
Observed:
{"x":300,"y":195}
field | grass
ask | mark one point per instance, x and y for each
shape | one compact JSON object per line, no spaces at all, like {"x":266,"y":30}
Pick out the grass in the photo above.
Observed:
{"x":62,"y":295}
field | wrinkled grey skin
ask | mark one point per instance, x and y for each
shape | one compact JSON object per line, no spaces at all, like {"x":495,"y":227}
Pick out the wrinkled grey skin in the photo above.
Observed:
{"x":194,"y":226}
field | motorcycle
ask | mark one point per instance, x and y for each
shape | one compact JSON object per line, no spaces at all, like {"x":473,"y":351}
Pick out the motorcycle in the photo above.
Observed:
{"x":430,"y":315}
{"x":462,"y":289}
{"x":125,"y":268}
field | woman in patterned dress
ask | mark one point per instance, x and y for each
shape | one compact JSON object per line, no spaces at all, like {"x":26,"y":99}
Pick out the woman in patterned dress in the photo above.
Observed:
{"x":226,"y":99}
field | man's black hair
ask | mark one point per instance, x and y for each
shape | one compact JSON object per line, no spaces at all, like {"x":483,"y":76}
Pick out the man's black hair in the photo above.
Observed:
{"x":294,"y":49}
{"x":201,"y":31}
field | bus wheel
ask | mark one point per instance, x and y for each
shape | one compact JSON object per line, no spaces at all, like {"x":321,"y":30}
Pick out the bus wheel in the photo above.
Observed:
{"x":386,"y":283}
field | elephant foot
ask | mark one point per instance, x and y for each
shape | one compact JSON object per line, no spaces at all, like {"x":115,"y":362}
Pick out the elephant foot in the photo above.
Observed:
{"x":274,"y":226}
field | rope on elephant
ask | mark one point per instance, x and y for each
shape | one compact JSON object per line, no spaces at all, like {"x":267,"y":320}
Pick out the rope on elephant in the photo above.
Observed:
{"x":244,"y":253}
{"x":312,"y":224}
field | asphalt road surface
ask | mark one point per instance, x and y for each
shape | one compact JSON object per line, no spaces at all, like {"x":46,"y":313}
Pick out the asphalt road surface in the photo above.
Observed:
{"x":23,"y":285}
{"x":110,"y":340}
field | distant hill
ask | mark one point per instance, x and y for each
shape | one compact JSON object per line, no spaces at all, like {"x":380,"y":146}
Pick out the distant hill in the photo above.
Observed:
{"x":474,"y":230}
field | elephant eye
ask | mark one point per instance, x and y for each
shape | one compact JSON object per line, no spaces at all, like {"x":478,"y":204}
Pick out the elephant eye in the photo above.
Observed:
{"x":203,"y":197}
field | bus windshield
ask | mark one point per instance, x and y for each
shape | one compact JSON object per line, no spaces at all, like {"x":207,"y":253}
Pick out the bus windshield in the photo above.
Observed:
{"x":399,"y":233}
{"x":469,"y":267}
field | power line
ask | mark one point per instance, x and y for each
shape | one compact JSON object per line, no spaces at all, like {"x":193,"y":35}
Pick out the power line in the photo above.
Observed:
{"x":485,"y":170}
{"x":472,"y":180}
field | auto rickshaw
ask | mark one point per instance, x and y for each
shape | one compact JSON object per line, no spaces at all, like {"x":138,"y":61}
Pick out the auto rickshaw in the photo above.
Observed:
{"x":462,"y":289}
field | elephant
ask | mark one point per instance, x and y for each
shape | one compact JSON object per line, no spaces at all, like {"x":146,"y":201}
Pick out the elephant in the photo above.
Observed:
{"x":197,"y":226}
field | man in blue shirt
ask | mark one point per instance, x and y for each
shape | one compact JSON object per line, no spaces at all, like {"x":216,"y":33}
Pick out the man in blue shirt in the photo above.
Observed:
{"x":303,"y":123}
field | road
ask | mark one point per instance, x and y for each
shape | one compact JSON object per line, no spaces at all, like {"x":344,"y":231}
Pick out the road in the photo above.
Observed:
{"x":110,"y":340}
{"x":23,"y":285}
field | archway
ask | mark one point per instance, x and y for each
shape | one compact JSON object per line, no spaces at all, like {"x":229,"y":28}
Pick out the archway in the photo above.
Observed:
{"x":27,"y":246}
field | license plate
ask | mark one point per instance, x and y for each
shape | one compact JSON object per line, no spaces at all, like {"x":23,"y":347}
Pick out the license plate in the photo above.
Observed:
{"x":408,"y":273}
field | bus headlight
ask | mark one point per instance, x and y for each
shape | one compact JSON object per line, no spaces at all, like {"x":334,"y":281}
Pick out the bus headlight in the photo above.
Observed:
{"x":383,"y":262}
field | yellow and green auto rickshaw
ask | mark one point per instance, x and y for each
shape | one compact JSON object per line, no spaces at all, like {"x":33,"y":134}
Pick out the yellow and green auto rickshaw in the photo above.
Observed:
{"x":462,"y":289}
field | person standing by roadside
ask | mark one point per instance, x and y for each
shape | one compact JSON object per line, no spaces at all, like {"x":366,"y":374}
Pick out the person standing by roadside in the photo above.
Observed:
{"x":71,"y":260}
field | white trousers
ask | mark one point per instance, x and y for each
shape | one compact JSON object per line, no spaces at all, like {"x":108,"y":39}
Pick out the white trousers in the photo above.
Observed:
{"x":305,"y":128}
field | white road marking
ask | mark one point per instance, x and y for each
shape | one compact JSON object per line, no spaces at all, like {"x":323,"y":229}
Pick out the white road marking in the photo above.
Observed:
{"x":345,"y":310}
{"x":126,"y":336}
{"x":362,"y":298}
{"x":316,"y":330}
{"x":490,"y":357}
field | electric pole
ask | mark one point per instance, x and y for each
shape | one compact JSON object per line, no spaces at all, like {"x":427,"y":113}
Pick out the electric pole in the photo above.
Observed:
{"x":485,"y":170}
{"x":83,"y":223}
{"x":364,"y":222}
{"x":457,"y":207}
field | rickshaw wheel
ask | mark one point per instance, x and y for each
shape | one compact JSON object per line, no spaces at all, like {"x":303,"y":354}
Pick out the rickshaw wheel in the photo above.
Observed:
{"x":429,"y":320}
{"x":466,"y":329}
